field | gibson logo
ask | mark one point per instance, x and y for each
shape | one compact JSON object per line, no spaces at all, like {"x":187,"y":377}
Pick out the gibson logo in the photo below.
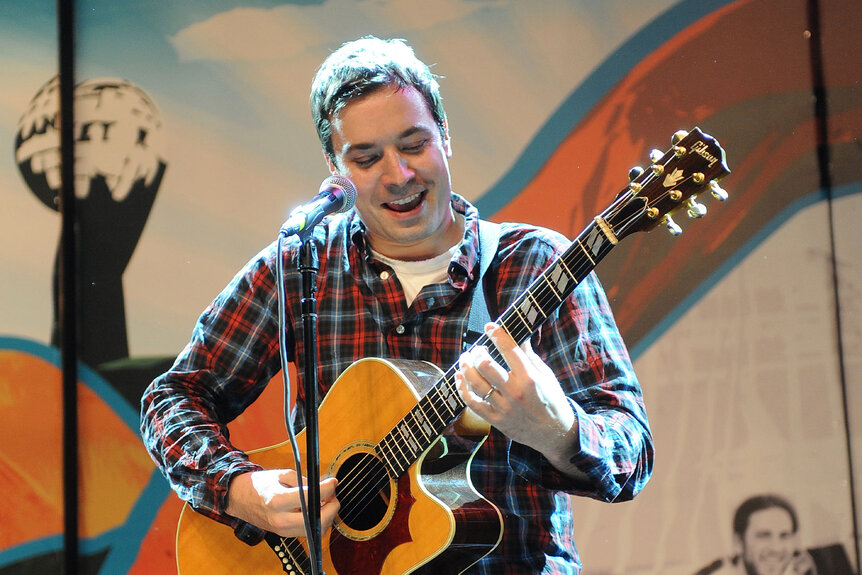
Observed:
{"x":699,"y":148}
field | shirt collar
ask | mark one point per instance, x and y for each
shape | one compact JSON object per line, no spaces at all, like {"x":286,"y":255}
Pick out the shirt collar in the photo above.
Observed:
{"x":463,"y":265}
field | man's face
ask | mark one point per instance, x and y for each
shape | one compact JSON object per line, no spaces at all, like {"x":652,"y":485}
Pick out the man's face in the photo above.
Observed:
{"x":388,"y":143}
{"x":769,"y":542}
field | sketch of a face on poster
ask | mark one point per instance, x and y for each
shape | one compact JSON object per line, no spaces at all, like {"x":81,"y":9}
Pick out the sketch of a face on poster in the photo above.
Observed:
{"x":118,"y":138}
{"x":767,"y":542}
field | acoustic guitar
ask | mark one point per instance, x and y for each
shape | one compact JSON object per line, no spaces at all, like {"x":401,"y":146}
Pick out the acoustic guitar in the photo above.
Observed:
{"x":403,"y":465}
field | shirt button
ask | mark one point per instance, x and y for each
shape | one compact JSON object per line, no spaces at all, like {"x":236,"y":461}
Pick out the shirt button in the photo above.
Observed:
{"x":384,"y":275}
{"x":400,"y":329}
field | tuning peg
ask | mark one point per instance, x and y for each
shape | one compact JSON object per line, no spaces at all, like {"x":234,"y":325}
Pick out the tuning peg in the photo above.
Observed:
{"x":655,"y":155}
{"x":717,"y":191}
{"x":695,"y":208}
{"x":635,"y":172}
{"x":678,"y":137}
{"x":672,"y":226}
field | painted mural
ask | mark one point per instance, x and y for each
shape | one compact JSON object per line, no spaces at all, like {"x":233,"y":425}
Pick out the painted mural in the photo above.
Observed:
{"x":194,"y":141}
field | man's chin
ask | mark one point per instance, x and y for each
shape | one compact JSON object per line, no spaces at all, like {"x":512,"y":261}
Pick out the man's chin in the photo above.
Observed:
{"x":769,"y":567}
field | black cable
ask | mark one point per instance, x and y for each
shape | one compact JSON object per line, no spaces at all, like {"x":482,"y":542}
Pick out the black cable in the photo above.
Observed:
{"x":67,"y":281}
{"x":821,"y":119}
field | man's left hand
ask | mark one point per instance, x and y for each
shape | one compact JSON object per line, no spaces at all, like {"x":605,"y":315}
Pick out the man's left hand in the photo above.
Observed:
{"x":526,"y":403}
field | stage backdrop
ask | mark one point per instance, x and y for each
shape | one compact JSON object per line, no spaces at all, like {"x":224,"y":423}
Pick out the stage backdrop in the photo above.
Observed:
{"x":194,"y":140}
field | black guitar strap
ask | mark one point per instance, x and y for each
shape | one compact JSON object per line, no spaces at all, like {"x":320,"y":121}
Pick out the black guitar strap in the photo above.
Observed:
{"x":489,"y":236}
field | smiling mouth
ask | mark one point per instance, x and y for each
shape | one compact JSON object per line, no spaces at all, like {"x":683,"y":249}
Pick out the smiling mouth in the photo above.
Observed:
{"x":406,"y":204}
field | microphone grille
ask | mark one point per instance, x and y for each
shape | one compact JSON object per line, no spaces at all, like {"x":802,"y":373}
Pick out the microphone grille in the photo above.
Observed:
{"x":346,"y":185}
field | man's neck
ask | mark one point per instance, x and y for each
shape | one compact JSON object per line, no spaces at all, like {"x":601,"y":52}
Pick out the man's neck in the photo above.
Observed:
{"x":430,"y":248}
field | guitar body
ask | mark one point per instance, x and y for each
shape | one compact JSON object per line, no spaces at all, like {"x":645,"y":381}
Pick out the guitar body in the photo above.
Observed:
{"x":430,"y":519}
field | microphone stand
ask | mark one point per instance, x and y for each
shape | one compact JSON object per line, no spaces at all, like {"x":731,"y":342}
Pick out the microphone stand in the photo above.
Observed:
{"x":308,"y":266}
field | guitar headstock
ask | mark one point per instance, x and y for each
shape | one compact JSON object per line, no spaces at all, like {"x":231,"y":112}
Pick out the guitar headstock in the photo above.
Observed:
{"x":694,"y":164}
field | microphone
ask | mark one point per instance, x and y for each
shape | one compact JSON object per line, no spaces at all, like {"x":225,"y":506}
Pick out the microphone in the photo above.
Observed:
{"x":337,"y":194}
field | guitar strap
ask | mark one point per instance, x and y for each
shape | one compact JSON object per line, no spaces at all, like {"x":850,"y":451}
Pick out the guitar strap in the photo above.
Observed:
{"x":489,"y":236}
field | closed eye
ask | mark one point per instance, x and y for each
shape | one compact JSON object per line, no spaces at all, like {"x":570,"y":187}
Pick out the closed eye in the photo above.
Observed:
{"x":415,"y":148}
{"x":366,"y":161}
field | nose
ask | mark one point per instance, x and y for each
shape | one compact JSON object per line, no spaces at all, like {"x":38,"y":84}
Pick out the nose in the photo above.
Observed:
{"x":396,"y":171}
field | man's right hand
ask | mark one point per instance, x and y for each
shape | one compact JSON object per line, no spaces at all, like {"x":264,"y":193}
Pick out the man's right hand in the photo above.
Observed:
{"x":269,"y":499}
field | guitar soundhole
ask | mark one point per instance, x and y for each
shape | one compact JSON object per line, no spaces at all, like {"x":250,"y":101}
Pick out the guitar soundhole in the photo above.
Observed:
{"x":363,"y":491}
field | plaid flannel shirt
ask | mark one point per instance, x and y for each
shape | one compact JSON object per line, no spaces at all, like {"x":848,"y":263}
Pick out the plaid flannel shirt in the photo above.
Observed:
{"x":362,"y":312}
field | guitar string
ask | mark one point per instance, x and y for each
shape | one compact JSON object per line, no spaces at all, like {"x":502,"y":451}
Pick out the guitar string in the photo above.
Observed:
{"x":358,"y":477}
{"x":400,"y":460}
{"x":545,"y":298}
{"x":368,"y":462}
{"x":388,"y":442}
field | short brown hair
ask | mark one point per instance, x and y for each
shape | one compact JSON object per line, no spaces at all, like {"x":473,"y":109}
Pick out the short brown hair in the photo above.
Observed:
{"x":361,"y":67}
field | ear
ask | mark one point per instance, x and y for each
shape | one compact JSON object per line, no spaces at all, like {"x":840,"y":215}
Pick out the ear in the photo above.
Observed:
{"x":447,"y":139}
{"x":738,"y":546}
{"x":332,"y":169}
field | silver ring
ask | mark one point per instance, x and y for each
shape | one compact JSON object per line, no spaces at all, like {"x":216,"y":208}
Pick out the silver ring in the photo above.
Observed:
{"x":490,"y":391}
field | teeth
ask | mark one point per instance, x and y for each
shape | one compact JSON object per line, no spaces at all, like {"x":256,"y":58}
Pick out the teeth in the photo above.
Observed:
{"x":406,"y":200}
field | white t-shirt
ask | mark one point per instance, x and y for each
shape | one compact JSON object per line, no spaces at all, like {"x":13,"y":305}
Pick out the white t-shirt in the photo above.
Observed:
{"x":416,"y":275}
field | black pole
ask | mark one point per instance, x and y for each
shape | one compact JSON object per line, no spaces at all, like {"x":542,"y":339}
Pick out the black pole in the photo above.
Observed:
{"x":67,"y":282}
{"x":308,"y":268}
{"x":824,"y":165}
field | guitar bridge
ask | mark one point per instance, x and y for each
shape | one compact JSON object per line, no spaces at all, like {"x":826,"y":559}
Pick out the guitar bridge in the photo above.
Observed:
{"x":290,"y":552}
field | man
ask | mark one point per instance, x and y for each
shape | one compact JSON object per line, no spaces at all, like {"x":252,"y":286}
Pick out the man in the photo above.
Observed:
{"x":766,"y":538}
{"x":396,"y":280}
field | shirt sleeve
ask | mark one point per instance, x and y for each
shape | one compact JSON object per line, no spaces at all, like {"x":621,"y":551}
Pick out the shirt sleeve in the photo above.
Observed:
{"x":582,"y":345}
{"x":232,"y":355}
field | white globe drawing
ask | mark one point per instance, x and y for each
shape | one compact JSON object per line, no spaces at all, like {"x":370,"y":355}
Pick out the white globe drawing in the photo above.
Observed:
{"x":118,"y":136}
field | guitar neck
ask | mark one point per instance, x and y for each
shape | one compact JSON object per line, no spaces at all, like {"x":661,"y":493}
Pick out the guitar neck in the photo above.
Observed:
{"x":694,"y":163}
{"x":402,"y":446}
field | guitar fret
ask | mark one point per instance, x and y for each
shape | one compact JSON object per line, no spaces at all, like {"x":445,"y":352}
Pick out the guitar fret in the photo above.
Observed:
{"x":389,"y":461}
{"x":450,"y":397}
{"x":393,"y":459}
{"x":443,"y":397}
{"x":401,"y":445}
{"x":522,"y":318}
{"x":529,"y":313}
{"x":434,"y":408}
{"x":536,"y":303}
{"x":407,"y":435}
{"x":586,"y":253}
{"x":571,"y":275}
{"x":424,"y":424}
{"x":550,"y":285}
{"x":493,"y":349}
{"x":382,"y":448}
